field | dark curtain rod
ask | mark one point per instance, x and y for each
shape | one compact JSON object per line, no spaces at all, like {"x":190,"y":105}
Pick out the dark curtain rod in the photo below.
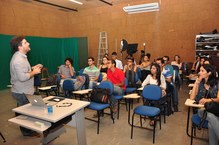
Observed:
{"x":106,"y":2}
{"x":55,"y":5}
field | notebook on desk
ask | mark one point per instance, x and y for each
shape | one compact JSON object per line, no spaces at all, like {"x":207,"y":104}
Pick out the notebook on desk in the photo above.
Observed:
{"x":37,"y":100}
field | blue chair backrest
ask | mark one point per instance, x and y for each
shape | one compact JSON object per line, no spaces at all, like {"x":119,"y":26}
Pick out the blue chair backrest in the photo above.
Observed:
{"x":137,"y":78}
{"x":176,"y":71}
{"x":87,"y":80}
{"x":139,"y":72}
{"x":74,"y":76}
{"x":107,"y":85}
{"x":100,"y":78}
{"x":37,"y":80}
{"x":68,"y":85}
{"x":126,"y":82}
{"x":81,"y":71}
{"x":152,"y":92}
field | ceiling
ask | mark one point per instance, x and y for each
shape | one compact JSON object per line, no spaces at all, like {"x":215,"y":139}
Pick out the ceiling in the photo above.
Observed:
{"x":71,"y":5}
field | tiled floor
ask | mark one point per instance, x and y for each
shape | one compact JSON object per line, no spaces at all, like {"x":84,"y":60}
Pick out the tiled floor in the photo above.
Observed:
{"x":172,"y":133}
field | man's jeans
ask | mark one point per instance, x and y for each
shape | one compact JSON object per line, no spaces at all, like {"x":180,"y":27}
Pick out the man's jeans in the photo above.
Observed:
{"x":117,"y":91}
{"x":213,"y":128}
{"x":22,"y":100}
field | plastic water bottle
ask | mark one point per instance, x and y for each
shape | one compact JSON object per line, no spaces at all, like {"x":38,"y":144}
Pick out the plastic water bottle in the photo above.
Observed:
{"x":49,"y":109}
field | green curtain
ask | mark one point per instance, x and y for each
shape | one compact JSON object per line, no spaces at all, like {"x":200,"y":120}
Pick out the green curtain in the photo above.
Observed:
{"x":51,"y":52}
{"x":5,"y":55}
{"x":82,"y":51}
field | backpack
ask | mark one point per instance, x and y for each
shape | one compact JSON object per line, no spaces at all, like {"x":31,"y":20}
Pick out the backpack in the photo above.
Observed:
{"x":130,"y":75}
{"x":100,"y":95}
{"x":52,"y":80}
{"x":87,"y":80}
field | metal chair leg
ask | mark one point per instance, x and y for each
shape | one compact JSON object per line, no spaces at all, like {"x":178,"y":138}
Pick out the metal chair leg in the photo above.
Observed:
{"x":98,"y":122}
{"x":192,"y":133}
{"x":155,"y":122}
{"x":2,"y":137}
{"x":118,"y":109}
{"x":132,"y":125}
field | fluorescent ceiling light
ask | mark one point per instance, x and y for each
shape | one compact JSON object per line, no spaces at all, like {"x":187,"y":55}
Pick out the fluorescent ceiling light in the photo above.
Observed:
{"x":77,"y":2}
{"x":142,"y":8}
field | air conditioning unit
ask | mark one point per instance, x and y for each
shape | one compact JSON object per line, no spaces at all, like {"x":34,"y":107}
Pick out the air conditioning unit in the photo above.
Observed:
{"x":142,"y":8}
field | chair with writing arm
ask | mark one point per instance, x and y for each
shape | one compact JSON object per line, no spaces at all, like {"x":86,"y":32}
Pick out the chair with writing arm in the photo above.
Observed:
{"x":99,"y":107}
{"x":151,"y":93}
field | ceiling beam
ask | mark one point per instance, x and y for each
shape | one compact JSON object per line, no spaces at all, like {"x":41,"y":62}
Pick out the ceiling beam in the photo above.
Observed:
{"x":106,"y":2}
{"x":56,"y":5}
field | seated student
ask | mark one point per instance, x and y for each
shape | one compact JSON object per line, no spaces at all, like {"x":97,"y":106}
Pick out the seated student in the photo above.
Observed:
{"x":103,"y":68}
{"x":67,"y":70}
{"x":205,"y":90}
{"x":176,"y":61}
{"x":196,"y":64}
{"x":117,"y":77}
{"x":209,"y":61}
{"x":177,"y":66}
{"x":145,"y":66}
{"x":155,"y":78}
{"x":130,"y":72}
{"x":167,"y":71}
{"x":194,"y":75}
{"x":206,"y":85}
{"x":93,"y":72}
{"x":118,"y":62}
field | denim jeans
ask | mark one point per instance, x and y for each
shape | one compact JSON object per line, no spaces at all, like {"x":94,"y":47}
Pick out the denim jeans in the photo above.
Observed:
{"x":22,"y":100}
{"x":92,"y":84}
{"x":174,"y":92}
{"x":117,"y":91}
{"x":213,"y":128}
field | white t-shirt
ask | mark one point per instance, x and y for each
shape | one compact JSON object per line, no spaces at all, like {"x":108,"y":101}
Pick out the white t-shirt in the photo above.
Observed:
{"x":151,"y":81}
{"x":119,"y":64}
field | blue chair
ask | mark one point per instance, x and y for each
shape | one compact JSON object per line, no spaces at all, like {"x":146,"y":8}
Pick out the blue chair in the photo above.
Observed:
{"x":151,"y":93}
{"x":87,"y":80}
{"x":100,"y":107}
{"x":139,"y":72}
{"x":37,"y":82}
{"x":196,"y":122}
{"x":81,"y":71}
{"x":131,"y":89}
{"x":176,"y":78}
{"x":68,"y":87}
{"x":100,"y":77}
{"x":119,"y":99}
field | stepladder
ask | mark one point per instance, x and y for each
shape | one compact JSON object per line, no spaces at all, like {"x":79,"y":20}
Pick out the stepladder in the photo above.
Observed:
{"x":103,"y":47}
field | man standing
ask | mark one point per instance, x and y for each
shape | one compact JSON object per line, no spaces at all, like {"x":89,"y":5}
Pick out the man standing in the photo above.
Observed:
{"x":117,"y":77}
{"x":22,"y":75}
{"x":118,"y":62}
{"x":93,"y":72}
